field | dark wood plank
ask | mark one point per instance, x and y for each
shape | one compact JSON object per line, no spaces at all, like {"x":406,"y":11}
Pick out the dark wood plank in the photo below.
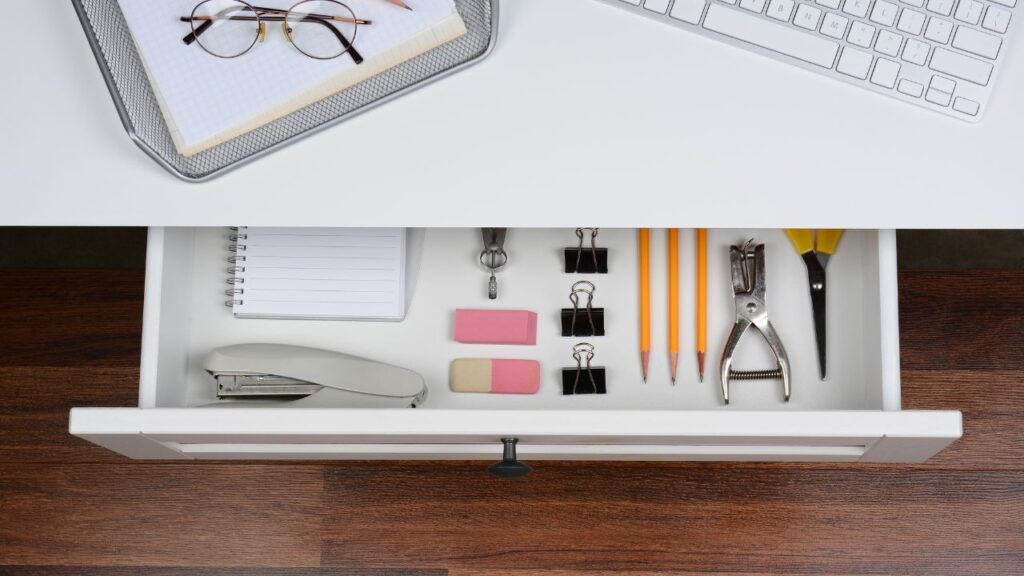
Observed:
{"x":35,"y":406}
{"x":161,"y":514}
{"x":696,"y":517}
{"x":71,"y":317}
{"x":208,"y":571}
{"x":962,"y":321}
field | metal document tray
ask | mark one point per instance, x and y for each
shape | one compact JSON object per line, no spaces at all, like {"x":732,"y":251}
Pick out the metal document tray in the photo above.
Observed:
{"x":129,"y":87}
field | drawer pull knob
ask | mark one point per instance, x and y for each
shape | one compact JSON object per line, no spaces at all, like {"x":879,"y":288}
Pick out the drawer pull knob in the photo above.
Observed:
{"x":510,"y":466}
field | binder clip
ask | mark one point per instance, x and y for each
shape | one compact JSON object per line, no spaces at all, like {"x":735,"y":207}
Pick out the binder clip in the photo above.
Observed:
{"x":583,"y":379}
{"x":589,"y":322}
{"x":582,"y":260}
{"x":493,"y":257}
{"x":748,"y":287}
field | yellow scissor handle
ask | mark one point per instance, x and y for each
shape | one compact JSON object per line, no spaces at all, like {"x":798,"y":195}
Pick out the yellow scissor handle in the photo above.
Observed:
{"x":802,"y":239}
{"x":828,"y":240}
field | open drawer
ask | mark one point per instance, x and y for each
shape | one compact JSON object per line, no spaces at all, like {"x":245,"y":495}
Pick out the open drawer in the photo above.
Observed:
{"x":853,"y":416}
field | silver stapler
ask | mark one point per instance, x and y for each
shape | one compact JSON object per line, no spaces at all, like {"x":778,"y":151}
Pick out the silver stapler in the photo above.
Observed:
{"x":311,"y":377}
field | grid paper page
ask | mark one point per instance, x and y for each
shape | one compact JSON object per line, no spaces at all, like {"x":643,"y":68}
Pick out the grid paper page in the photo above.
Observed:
{"x":207,"y":100}
{"x":329,"y":273}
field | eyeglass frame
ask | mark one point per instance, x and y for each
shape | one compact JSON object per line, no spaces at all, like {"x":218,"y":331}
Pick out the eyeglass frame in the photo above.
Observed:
{"x":261,"y":17}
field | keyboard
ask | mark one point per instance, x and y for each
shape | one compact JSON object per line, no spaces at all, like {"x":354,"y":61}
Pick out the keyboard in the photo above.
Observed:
{"x":939,"y":54}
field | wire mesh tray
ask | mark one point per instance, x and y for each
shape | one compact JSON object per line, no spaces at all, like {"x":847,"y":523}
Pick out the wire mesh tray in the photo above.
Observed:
{"x":137,"y":106}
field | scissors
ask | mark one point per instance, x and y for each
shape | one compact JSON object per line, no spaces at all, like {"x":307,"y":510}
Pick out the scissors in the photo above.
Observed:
{"x":816,"y":247}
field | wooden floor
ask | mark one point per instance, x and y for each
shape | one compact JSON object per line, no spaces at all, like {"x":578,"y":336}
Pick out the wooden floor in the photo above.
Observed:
{"x":71,"y":338}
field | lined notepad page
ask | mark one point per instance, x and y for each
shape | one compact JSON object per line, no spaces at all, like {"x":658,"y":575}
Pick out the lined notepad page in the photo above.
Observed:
{"x":328,"y":273}
{"x":207,"y":100}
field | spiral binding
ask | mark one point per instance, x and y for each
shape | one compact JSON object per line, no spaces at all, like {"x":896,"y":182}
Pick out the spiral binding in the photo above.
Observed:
{"x":237,"y":261}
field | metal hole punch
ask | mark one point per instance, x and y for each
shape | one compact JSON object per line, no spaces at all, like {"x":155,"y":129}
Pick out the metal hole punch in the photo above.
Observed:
{"x":748,"y":286}
{"x":595,"y":316}
{"x":493,"y":257}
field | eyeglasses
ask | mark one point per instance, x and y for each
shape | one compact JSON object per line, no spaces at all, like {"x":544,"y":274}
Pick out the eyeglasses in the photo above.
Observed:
{"x":321,"y":29}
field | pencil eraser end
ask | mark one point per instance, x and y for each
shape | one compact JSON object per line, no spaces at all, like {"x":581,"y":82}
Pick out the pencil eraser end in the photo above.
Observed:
{"x":496,"y":327}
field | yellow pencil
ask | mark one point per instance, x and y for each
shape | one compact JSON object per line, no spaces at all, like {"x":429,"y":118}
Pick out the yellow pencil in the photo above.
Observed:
{"x":702,"y":299}
{"x":645,"y":300}
{"x":673,"y":301}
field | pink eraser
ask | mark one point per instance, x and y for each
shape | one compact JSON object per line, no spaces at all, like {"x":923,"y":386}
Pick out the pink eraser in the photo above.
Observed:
{"x":495,"y":376}
{"x":496,"y":327}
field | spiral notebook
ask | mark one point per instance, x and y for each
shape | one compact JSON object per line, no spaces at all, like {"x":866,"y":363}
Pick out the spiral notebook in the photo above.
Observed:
{"x":318,"y":273}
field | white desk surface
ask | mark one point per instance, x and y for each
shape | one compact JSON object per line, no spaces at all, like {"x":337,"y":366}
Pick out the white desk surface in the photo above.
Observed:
{"x":583,"y":116}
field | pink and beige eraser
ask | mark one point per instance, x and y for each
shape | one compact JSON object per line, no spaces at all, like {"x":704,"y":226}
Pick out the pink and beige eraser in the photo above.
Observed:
{"x":496,"y":327}
{"x":494,"y":376}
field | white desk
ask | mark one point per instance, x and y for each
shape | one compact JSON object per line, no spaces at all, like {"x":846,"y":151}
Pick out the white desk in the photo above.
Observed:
{"x":559,"y":127}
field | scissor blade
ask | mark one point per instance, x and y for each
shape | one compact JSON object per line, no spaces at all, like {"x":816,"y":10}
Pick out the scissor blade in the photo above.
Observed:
{"x":816,"y":282}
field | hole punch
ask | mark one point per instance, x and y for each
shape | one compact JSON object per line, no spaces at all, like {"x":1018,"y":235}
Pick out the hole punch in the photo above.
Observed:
{"x":582,"y":260}
{"x":493,"y":257}
{"x":748,"y":286}
{"x":586,"y":322}
{"x":583,"y":379}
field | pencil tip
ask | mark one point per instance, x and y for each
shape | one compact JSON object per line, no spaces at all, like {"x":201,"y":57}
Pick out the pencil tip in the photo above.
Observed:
{"x":409,"y":8}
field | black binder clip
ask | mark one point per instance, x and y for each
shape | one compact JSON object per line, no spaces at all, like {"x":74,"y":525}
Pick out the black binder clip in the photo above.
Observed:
{"x":582,"y":260}
{"x":583,"y":379}
{"x":582,"y":323}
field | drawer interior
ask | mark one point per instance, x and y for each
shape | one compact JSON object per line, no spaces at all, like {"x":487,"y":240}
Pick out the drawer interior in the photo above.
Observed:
{"x":186,"y":317}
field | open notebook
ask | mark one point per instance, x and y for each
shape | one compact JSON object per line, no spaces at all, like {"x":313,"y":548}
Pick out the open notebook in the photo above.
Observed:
{"x":207,"y":100}
{"x":319,"y":273}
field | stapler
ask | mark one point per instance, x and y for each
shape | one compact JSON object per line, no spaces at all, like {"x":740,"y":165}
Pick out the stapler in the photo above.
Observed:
{"x":311,"y":377}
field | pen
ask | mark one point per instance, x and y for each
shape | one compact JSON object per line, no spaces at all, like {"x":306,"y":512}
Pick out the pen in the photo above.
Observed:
{"x":645,"y":300}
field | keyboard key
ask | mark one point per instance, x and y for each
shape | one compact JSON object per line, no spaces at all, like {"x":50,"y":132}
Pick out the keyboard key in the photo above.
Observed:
{"x":888,"y":43}
{"x":910,"y":88}
{"x":996,"y":20}
{"x":753,"y":5}
{"x":633,"y":2}
{"x":980,"y":43}
{"x":771,"y":36}
{"x":858,"y":8}
{"x":944,"y":7}
{"x":938,"y":31}
{"x":688,"y":10}
{"x":834,"y":26}
{"x":833,"y":4}
{"x":916,"y":52}
{"x":807,"y":17}
{"x":854,"y":63}
{"x":969,"y":107}
{"x":942,"y":84}
{"x":1007,"y":3}
{"x":960,"y":66}
{"x":780,"y":10}
{"x":659,"y":6}
{"x":861,"y":35}
{"x":885,"y":13}
{"x":885,"y":73}
{"x":936,"y":97}
{"x":914,"y":3}
{"x":969,"y":11}
{"x":911,"y":22}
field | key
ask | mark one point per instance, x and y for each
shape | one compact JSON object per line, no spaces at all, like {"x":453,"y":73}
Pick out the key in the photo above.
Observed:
{"x":937,"y":97}
{"x":996,"y":20}
{"x":911,"y":22}
{"x":884,"y":13}
{"x":659,"y":6}
{"x":938,"y":30}
{"x":914,"y":3}
{"x":780,"y":10}
{"x":888,"y":43}
{"x":970,"y":40}
{"x":833,"y":4}
{"x":834,"y":26}
{"x":942,"y":84}
{"x":944,"y":7}
{"x":916,"y":52}
{"x":633,"y":2}
{"x":688,"y":10}
{"x":807,"y":17}
{"x":1007,"y":3}
{"x":854,"y":63}
{"x":910,"y":88}
{"x":861,"y":35}
{"x":969,"y":107}
{"x":960,"y":66}
{"x":969,"y":11}
{"x":858,"y":8}
{"x":885,"y":73}
{"x":771,"y":36}
{"x":753,"y":5}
